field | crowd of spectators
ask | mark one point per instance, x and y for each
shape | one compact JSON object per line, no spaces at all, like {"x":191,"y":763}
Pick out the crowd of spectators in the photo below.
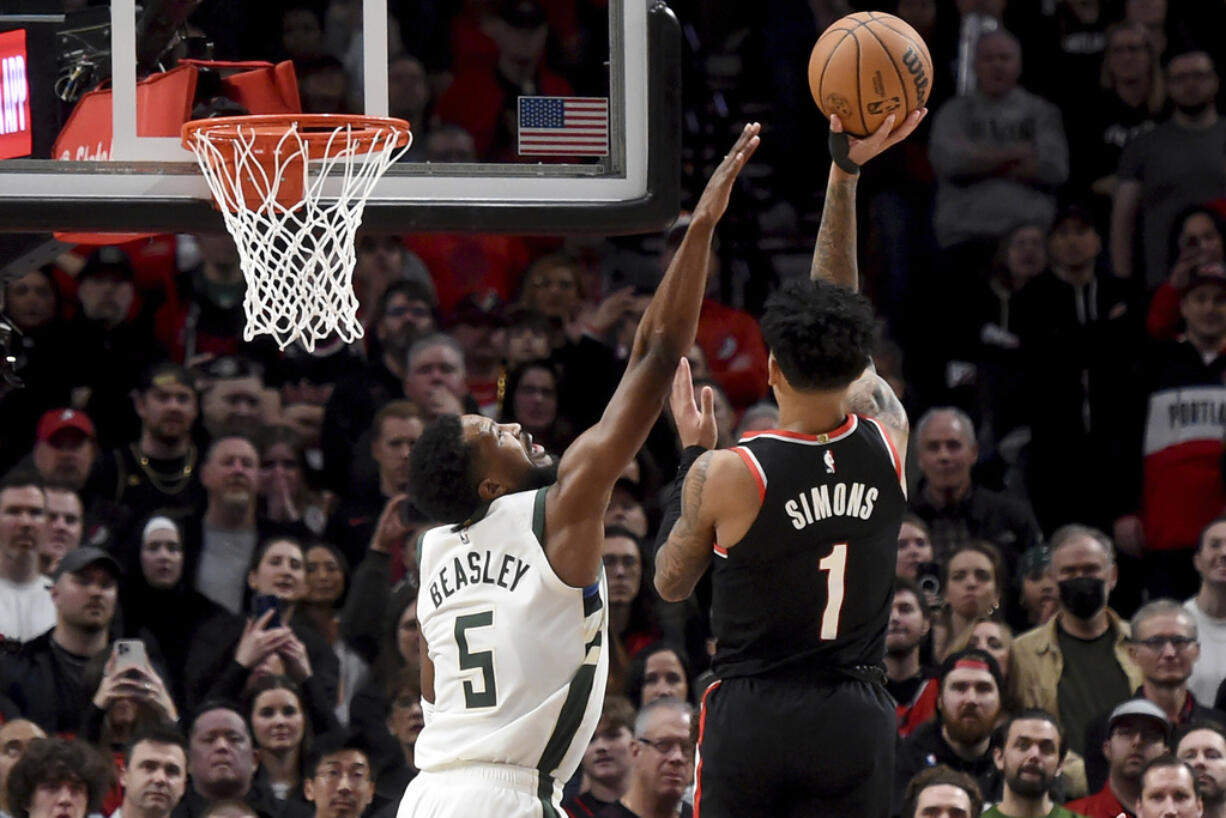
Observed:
{"x":1046,"y":255}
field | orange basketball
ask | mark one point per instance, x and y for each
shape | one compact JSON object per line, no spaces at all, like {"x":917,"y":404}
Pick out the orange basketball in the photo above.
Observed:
{"x":867,"y":66}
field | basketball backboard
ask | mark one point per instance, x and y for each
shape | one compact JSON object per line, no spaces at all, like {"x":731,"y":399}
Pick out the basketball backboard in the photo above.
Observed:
{"x":111,"y":175}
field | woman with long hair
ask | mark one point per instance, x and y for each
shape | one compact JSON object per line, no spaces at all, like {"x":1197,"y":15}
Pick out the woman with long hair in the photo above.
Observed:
{"x":531,"y":400}
{"x":971,"y":588}
{"x":327,"y":583}
{"x":281,"y":732}
{"x":284,"y":494}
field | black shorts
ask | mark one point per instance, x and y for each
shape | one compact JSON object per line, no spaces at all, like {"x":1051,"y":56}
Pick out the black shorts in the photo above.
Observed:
{"x":789,"y":749}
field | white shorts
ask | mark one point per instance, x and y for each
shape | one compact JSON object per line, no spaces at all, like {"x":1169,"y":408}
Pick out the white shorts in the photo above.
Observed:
{"x":480,"y":791}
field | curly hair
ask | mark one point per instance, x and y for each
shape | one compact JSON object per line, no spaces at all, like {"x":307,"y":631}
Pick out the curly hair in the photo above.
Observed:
{"x":55,"y":761}
{"x":441,"y":472}
{"x":820,"y":333}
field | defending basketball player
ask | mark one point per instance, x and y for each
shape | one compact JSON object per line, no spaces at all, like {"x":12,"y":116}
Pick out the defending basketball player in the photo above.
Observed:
{"x":512,"y":604}
{"x":802,"y":523}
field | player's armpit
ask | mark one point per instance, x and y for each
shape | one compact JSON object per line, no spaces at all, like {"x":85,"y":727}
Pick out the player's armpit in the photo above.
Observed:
{"x":870,"y":395}
{"x":681,"y":561}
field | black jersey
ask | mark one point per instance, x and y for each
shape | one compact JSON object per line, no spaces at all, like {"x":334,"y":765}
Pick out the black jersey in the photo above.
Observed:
{"x":808,"y":588}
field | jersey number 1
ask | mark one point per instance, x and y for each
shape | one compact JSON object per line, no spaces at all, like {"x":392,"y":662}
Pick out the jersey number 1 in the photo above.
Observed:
{"x":482,"y":660}
{"x":836,"y":564}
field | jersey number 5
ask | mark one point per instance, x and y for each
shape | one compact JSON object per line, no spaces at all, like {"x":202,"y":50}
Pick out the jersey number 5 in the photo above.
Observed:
{"x":836,"y":564}
{"x":482,"y":660}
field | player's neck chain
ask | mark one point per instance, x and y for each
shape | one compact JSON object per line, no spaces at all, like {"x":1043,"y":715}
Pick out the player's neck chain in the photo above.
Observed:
{"x":167,"y":484}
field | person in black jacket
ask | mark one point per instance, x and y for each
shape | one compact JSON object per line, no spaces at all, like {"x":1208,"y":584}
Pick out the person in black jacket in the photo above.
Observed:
{"x":44,"y":679}
{"x":229,"y":650}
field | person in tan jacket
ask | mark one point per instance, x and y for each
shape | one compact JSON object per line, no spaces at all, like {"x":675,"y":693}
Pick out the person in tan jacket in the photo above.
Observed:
{"x":1078,"y":665}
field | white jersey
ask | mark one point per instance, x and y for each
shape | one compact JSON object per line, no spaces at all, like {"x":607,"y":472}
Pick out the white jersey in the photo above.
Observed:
{"x":520,"y":659}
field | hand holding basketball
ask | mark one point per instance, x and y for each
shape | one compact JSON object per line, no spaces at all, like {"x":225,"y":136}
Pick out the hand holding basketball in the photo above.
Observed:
{"x":714,"y":201}
{"x":886,"y":136}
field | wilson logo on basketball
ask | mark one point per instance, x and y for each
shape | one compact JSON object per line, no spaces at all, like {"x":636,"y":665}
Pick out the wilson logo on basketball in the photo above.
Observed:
{"x":915,"y":65}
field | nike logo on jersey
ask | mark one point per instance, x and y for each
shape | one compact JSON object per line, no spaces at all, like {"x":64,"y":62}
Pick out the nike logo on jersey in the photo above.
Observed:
{"x":822,"y":502}
{"x":477,"y":568}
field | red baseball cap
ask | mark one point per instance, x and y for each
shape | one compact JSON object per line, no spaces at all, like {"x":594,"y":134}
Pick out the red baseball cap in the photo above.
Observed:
{"x":57,"y":420}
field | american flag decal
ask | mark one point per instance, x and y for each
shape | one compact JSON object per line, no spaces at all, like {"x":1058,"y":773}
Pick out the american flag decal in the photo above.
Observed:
{"x":563,"y":126}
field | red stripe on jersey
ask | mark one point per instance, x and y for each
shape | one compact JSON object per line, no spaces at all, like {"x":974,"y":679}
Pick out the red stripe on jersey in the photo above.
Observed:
{"x":702,"y":727}
{"x":754,"y":469}
{"x":833,"y":433}
{"x":723,"y":552}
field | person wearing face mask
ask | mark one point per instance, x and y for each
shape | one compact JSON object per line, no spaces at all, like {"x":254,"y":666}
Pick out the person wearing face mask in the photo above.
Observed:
{"x":1078,"y":664}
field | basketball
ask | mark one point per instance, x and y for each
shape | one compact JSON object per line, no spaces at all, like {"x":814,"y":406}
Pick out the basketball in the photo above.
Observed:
{"x":867,"y":66}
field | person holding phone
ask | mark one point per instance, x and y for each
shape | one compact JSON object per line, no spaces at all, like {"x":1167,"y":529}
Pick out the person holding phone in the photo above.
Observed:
{"x":230,"y":650}
{"x":129,"y":696}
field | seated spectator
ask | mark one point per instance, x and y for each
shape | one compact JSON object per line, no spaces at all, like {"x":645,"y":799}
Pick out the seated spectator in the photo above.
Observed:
{"x":1168,"y":790}
{"x":1077,"y":324}
{"x":231,"y":396}
{"x":914,"y":547}
{"x":968,"y":707}
{"x":26,"y":608}
{"x":941,"y":791}
{"x":658,"y":671}
{"x":1164,"y":647}
{"x":994,"y":638}
{"x":204,"y":316}
{"x":1078,"y":664}
{"x":153,"y":583}
{"x":301,"y":32}
{"x":1202,"y":746}
{"x":1040,"y":596}
{"x":45,"y":679}
{"x":221,"y":764}
{"x":228,"y":532}
{"x":627,"y":509}
{"x":324,"y":86}
{"x":160,"y":470}
{"x":632,"y":616}
{"x":57,"y":778}
{"x":123,"y":703}
{"x":327,"y":582}
{"x":281,"y":731}
{"x":527,"y":336}
{"x":409,"y":98}
{"x":998,"y":152}
{"x":606,"y":761}
{"x":912,"y":685}
{"x":661,"y":763}
{"x":1030,"y":756}
{"x":285,"y":496}
{"x":759,"y":417}
{"x":405,"y":722}
{"x":1208,"y":611}
{"x":532,"y":402}
{"x":154,"y":774}
{"x":435,"y":378}
{"x":1173,"y":166}
{"x":15,"y":737}
{"x":383,"y":261}
{"x":1198,"y":237}
{"x":957,"y":509}
{"x":555,"y":287}
{"x":229,"y":650}
{"x":1137,"y":733}
{"x":483,"y":99}
{"x":478,"y":324}
{"x":340,"y":776}
{"x":65,"y":447}
{"x":971,"y":586}
{"x":65,"y":525}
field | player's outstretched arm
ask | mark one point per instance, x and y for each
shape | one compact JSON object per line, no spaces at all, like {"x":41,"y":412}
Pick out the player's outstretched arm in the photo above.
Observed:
{"x":589,"y":468}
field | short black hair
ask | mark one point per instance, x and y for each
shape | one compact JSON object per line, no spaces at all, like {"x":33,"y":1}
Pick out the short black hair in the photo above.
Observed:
{"x":22,"y":477}
{"x":442,"y":472}
{"x":1212,"y":725}
{"x":1032,"y":714}
{"x":903,"y":585}
{"x":336,"y":742}
{"x":821,"y":334}
{"x":166,"y":733}
{"x":54,"y":761}
{"x":208,"y":706}
{"x":935,"y":777}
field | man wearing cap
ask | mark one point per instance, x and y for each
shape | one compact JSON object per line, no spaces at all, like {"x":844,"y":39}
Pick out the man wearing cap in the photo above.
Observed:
{"x":1202,"y":745}
{"x":1208,"y":611}
{"x":44,"y":678}
{"x":1136,"y":733}
{"x":159,"y":470}
{"x":483,"y":98}
{"x":65,"y":447}
{"x":231,"y":396}
{"x":1176,"y":418}
{"x":1164,"y":647}
{"x":1078,"y":329}
{"x":480,"y":326}
{"x":26,"y":608}
{"x":968,"y":707}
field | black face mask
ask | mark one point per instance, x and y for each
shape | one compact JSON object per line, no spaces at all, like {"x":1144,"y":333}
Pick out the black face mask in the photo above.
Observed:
{"x":1084,"y":596}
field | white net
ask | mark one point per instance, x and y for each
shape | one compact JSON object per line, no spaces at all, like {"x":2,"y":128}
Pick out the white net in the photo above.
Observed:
{"x":297,"y":254}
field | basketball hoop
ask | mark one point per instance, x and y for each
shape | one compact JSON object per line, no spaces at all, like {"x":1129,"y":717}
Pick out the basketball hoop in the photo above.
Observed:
{"x":269,"y":176}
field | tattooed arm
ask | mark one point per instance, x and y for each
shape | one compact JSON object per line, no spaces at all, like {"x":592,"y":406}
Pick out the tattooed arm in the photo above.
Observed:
{"x":683,"y":558}
{"x":834,"y":257}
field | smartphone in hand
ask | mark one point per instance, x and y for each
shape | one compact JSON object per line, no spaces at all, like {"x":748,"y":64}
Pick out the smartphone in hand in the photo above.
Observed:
{"x":129,"y":653}
{"x":262,"y":603}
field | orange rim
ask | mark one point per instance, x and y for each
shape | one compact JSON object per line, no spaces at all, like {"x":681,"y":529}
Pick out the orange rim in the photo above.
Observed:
{"x":316,"y":130}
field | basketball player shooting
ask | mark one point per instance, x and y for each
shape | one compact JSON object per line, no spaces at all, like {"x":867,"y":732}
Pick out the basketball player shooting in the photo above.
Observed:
{"x":512,"y":603}
{"x":802,"y":523}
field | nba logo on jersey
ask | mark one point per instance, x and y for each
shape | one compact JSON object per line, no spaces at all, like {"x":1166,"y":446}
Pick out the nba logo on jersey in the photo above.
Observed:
{"x":829,"y":461}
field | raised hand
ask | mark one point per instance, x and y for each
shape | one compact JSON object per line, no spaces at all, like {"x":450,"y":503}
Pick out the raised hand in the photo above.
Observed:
{"x":390,"y":530}
{"x":714,"y":200}
{"x":860,"y":150}
{"x":258,"y":640}
{"x":695,"y":427}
